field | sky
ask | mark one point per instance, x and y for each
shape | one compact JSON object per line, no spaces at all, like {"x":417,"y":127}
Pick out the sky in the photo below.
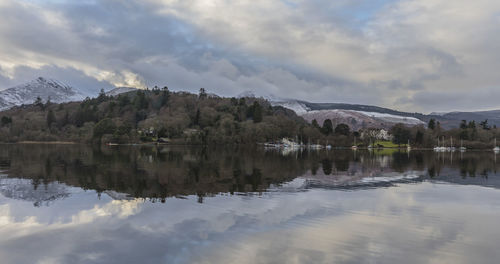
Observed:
{"x":411,"y":55}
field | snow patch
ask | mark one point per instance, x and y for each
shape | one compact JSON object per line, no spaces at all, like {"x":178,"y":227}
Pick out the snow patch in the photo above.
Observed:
{"x":119,"y":90}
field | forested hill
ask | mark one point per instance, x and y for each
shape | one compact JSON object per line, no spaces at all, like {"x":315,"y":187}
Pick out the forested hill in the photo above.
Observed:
{"x":152,"y":116}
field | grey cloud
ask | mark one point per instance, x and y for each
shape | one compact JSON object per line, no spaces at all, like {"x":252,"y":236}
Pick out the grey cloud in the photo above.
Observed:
{"x":347,"y":51}
{"x":480,"y":99}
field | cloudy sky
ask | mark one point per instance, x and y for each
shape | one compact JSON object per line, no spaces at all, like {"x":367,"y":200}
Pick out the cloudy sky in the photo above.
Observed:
{"x":414,"y":55}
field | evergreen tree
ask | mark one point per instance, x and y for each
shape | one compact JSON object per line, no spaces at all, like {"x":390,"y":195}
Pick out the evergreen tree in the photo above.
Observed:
{"x":65,"y":119}
{"x":463,"y":124}
{"x":123,"y":100}
{"x":38,"y":102}
{"x":102,"y":97}
{"x":315,"y":124}
{"x":140,"y":100}
{"x":342,"y":129}
{"x":51,"y":118}
{"x":197,"y":118}
{"x":432,"y":124}
{"x":257,"y":112}
{"x":472,"y":124}
{"x":203,"y":93}
{"x":484,"y":125}
{"x":6,"y":120}
{"x":164,"y":97}
{"x":327,"y":128}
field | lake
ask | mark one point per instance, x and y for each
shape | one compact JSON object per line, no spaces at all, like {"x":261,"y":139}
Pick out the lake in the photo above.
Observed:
{"x":131,"y":204}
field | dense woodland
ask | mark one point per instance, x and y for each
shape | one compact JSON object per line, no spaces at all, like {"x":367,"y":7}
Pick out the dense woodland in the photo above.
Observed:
{"x":156,"y":115}
{"x":162,"y":116}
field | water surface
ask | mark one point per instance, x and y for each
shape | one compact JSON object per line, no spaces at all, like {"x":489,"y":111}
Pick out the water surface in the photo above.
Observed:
{"x":76,"y":204}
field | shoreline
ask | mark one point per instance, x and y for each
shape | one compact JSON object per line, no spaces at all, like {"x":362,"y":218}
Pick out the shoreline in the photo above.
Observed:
{"x":29,"y":142}
{"x":46,"y":142}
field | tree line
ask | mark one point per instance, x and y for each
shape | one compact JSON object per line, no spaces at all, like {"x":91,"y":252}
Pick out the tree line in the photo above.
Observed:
{"x":160,"y":115}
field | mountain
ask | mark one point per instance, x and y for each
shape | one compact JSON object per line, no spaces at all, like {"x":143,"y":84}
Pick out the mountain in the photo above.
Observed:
{"x":358,"y":116}
{"x":40,"y":87}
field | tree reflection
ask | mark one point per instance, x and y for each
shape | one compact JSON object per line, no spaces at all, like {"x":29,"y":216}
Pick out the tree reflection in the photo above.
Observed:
{"x":160,"y":172}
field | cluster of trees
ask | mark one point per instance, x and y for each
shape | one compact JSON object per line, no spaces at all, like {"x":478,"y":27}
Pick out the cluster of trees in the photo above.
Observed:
{"x":153,"y":115}
{"x":468,"y":135}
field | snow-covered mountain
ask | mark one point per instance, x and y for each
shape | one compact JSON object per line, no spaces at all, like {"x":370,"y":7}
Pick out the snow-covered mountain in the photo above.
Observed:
{"x":356,"y":116}
{"x":41,"y":87}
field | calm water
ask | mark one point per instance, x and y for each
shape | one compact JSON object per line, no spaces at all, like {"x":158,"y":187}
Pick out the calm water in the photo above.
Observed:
{"x":75,"y":204}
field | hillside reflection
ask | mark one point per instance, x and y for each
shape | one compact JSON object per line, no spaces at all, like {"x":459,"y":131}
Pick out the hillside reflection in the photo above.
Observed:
{"x":44,"y":173}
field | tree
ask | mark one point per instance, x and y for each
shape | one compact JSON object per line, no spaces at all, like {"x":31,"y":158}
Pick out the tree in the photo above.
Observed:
{"x":400,"y":134}
{"x":315,"y":124}
{"x":342,"y":129}
{"x":51,"y":118}
{"x":6,"y":120}
{"x":432,"y":124}
{"x":484,"y":125}
{"x":105,"y":126}
{"x":463,"y":124}
{"x":165,"y":94}
{"x":102,"y":97}
{"x":203,"y":93}
{"x":123,"y":100}
{"x":47,"y":104}
{"x":327,"y":128}
{"x":38,"y":102}
{"x":65,"y":119}
{"x":419,"y":137}
{"x":257,"y":112}
{"x":140,"y":100}
{"x":196,"y":120}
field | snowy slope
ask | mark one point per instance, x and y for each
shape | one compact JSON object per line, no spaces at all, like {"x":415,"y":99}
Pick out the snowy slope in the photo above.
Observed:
{"x":119,"y":90}
{"x":40,"y":87}
{"x":340,"y":113}
{"x":359,"y":119}
{"x":296,"y":106}
{"x":393,"y":118}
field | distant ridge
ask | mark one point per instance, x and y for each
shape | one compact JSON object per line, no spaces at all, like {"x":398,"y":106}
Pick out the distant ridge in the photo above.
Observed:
{"x":357,"y":115}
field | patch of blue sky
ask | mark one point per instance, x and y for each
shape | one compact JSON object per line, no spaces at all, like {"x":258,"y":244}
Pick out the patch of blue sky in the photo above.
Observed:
{"x":364,"y":11}
{"x":290,"y":3}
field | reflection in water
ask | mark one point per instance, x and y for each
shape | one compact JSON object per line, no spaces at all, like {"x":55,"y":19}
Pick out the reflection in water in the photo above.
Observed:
{"x":245,"y":206}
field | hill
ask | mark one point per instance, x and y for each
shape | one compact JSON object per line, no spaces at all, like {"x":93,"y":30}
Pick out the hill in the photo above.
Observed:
{"x":151,"y":116}
{"x":359,"y":116}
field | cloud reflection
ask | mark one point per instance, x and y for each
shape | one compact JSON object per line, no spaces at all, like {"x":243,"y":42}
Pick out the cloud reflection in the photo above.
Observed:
{"x":411,"y":223}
